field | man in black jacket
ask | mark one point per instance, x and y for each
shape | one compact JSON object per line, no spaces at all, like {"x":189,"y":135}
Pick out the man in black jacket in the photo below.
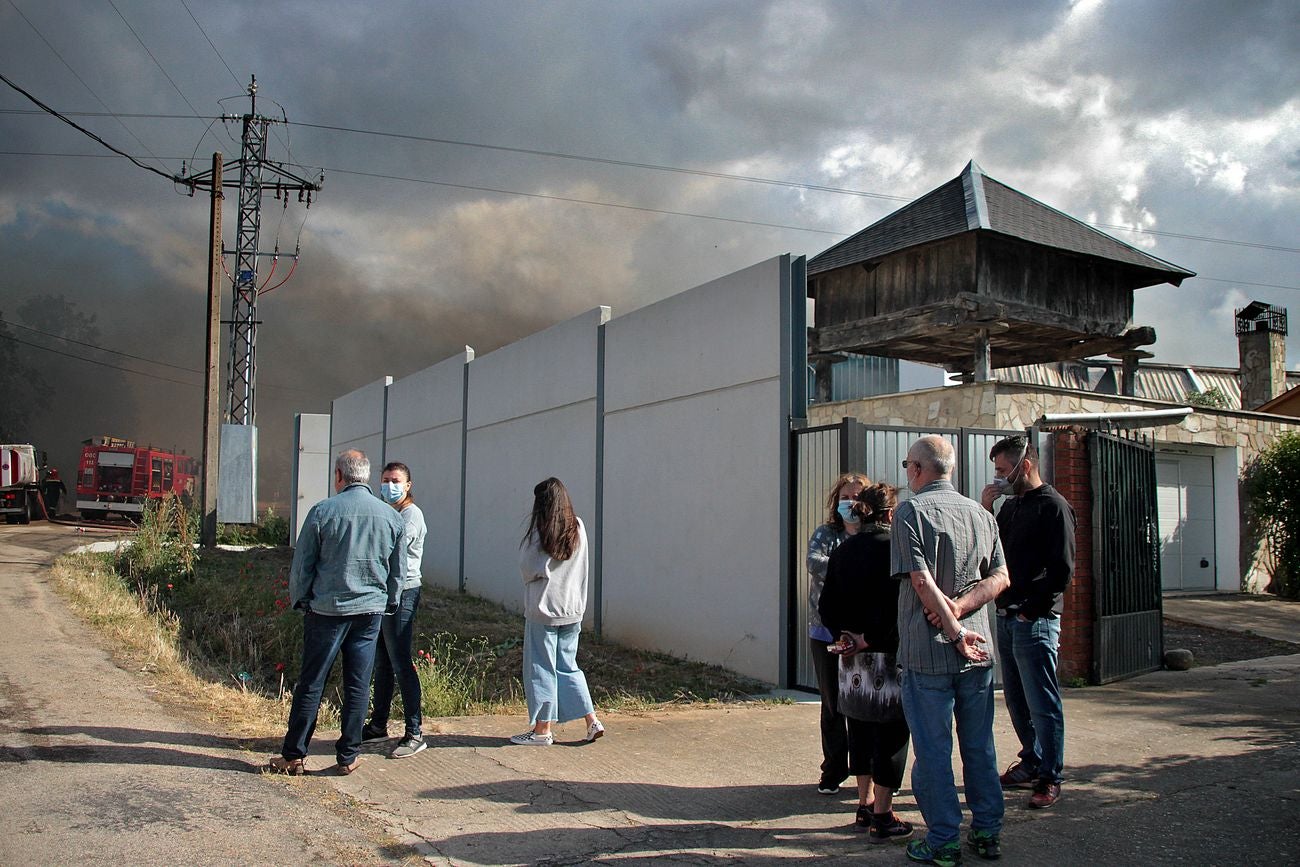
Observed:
{"x":1037,"y":529}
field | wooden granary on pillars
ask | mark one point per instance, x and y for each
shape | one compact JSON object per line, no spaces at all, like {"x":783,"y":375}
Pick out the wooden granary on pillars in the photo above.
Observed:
{"x":974,"y":276}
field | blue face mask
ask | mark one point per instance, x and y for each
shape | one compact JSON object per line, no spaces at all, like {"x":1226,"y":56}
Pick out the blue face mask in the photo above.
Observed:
{"x":845,"y":508}
{"x":392,"y":492}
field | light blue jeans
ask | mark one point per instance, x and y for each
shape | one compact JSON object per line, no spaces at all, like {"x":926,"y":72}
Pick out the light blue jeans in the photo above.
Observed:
{"x":555,"y":687}
{"x":1028,"y":653}
{"x":930,"y":702}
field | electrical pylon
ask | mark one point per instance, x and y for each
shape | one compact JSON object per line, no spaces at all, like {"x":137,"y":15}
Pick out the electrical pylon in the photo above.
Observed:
{"x":256,"y":175}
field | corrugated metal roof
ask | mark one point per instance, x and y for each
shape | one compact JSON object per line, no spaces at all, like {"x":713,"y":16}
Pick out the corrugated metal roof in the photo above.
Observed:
{"x":1167,"y":382}
{"x":973,"y":201}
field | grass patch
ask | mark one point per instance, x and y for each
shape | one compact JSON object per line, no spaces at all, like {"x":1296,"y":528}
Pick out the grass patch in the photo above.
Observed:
{"x":217,"y":627}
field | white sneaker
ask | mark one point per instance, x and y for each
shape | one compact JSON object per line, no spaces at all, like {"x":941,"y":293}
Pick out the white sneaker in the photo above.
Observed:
{"x":533,"y":739}
{"x":595,"y":730}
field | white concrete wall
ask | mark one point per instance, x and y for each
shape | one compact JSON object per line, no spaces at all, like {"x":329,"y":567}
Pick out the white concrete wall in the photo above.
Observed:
{"x":531,"y":414}
{"x":424,"y":430}
{"x":357,"y":422}
{"x":692,"y":474}
{"x":311,"y":467}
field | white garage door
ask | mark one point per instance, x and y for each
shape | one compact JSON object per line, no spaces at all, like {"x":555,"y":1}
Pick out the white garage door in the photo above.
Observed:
{"x":1185,"y":502}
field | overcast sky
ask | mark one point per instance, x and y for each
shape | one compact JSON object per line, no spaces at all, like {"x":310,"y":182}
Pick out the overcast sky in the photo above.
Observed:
{"x":1175,"y":117}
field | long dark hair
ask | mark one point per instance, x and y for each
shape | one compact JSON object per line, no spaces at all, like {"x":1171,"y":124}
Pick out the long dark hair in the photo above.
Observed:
{"x":553,"y":523}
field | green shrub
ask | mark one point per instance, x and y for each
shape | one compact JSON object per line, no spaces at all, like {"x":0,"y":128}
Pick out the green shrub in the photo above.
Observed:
{"x":1272,"y":483}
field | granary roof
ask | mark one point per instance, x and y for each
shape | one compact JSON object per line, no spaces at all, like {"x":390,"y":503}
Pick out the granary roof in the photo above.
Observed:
{"x":973,"y":201}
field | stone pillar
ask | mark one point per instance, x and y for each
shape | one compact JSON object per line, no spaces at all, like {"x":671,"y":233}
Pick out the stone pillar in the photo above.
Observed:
{"x":1072,"y":477}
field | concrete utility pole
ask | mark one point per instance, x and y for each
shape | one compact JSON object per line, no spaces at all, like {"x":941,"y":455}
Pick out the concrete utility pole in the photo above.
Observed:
{"x":257,"y":174}
{"x":212,"y":378}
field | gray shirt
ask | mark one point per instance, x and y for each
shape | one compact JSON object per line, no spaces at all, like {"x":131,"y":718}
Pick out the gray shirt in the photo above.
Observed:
{"x":413,"y":539}
{"x":953,"y":538}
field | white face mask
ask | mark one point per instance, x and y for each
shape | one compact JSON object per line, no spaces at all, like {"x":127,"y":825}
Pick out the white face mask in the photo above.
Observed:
{"x":1005,"y":484}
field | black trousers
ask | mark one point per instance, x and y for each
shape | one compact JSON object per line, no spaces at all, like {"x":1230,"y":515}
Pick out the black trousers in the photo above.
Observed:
{"x":834,"y":725}
{"x":878,"y":750}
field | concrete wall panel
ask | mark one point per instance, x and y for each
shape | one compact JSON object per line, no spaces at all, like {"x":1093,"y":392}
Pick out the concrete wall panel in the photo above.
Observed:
{"x":424,"y":430}
{"x":531,"y":414}
{"x":311,"y":467}
{"x":693,"y":474}
{"x":357,"y":422}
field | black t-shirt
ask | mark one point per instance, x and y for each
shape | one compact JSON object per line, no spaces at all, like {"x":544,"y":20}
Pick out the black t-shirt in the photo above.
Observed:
{"x":860,"y":595}
{"x":1037,"y":530}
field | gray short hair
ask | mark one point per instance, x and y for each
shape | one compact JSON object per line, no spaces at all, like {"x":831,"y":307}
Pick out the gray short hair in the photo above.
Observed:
{"x":935,"y":453}
{"x":353,"y":466}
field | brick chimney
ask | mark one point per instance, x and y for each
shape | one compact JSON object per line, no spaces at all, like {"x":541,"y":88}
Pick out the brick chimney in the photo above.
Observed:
{"x":1261,"y":345}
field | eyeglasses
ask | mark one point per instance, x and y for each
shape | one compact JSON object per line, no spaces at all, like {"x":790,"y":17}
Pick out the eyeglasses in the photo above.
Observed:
{"x":909,"y":463}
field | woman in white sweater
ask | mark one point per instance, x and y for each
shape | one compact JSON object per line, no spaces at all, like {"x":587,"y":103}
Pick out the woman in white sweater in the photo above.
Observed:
{"x":553,"y":563}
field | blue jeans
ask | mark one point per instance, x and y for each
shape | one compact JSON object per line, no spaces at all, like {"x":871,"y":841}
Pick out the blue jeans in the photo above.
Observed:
{"x":1028,"y":653}
{"x":930,"y":702}
{"x":323,"y":638}
{"x":555,"y":687}
{"x":393,"y":663}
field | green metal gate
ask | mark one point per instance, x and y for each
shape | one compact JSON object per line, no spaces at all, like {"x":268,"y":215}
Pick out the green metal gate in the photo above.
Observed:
{"x":1128,"y":639}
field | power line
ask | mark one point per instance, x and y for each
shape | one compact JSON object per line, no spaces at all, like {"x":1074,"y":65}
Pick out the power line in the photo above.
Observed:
{"x":158,"y":64}
{"x":681,"y":170}
{"x":96,"y":361}
{"x":1246,"y":283}
{"x":578,"y":201}
{"x":100,"y":348}
{"x":91,"y":90}
{"x":605,"y":161}
{"x":81,"y":129}
{"x":10,"y":337}
{"x":238,"y":83}
{"x":1198,"y":238}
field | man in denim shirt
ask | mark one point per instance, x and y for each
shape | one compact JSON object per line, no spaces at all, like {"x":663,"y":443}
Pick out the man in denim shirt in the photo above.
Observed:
{"x":347,"y":573}
{"x":947,"y":549}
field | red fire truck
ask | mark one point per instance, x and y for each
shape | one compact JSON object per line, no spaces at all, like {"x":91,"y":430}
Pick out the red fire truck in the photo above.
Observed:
{"x":115,"y":475}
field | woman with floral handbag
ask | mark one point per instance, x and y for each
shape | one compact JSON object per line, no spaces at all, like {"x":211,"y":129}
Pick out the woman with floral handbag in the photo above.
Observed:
{"x":859,"y":603}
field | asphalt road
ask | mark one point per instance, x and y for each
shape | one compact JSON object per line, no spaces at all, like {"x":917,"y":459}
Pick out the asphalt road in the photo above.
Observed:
{"x":94,"y":770}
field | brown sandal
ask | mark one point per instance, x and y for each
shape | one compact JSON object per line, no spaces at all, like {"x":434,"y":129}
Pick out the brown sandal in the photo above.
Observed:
{"x":281,"y":765}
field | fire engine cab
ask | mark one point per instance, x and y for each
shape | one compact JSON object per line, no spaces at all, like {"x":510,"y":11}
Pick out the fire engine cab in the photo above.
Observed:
{"x":115,"y":475}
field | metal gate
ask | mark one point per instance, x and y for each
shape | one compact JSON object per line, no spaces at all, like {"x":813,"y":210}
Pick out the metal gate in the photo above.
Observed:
{"x":818,"y":456}
{"x":1128,"y":639}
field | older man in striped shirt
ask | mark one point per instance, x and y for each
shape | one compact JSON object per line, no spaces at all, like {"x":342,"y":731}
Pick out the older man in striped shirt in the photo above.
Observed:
{"x":947,"y":548}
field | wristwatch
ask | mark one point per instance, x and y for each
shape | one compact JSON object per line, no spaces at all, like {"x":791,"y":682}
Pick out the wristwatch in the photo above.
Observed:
{"x":961,"y":632}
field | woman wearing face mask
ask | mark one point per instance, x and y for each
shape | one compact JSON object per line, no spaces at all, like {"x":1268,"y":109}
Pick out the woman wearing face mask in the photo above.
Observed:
{"x":553,"y":563}
{"x":841,"y":523}
{"x":393,"y":653}
{"x":859,"y":603}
